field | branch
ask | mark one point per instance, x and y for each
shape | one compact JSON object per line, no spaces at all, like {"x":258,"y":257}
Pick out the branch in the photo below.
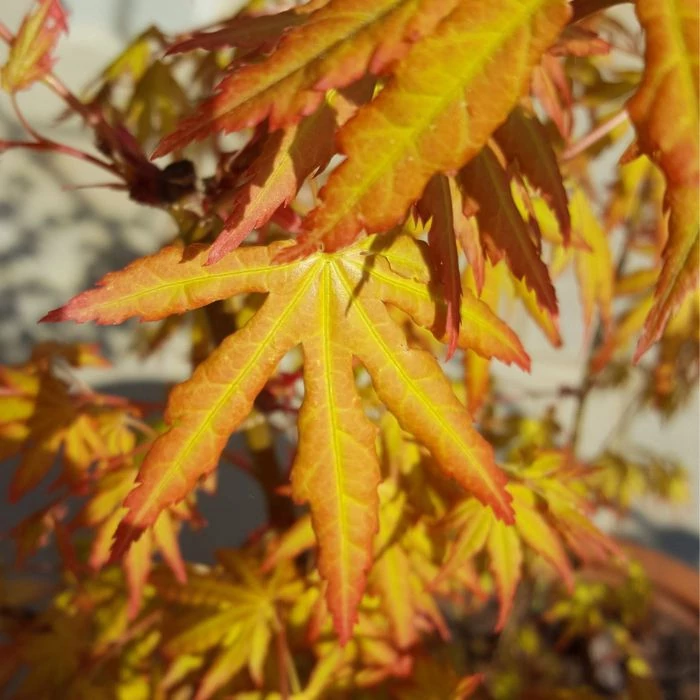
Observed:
{"x":595,"y":135}
{"x":588,"y":382}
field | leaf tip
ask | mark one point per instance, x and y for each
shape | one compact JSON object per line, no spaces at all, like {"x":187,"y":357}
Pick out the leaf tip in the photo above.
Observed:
{"x":523,"y":360}
{"x":215,"y":254}
{"x":125,"y":535}
{"x":505,"y":512}
{"x":55,"y":316}
{"x":502,"y":503}
{"x":343,"y":627}
{"x":643,"y":345}
{"x":177,"y":566}
{"x":133,"y":605}
{"x":163,"y":147}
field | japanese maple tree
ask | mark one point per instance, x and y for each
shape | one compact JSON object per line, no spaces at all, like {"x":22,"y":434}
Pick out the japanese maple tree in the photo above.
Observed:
{"x":399,"y":169}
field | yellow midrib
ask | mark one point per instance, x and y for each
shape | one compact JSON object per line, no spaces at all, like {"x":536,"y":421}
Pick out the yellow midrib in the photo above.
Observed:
{"x":183,"y":284}
{"x":326,"y":311}
{"x":421,"y":291}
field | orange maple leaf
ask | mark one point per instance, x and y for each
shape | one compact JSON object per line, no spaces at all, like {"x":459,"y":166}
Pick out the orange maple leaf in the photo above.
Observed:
{"x":432,"y":117}
{"x":30,"y":56}
{"x":337,"y":44}
{"x":334,"y":305}
{"x":665,"y":112}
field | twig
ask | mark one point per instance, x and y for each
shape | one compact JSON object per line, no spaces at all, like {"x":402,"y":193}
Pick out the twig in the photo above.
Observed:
{"x":141,"y":426}
{"x":45,"y":144}
{"x":588,"y":382}
{"x":23,"y":121}
{"x":623,"y":422}
{"x":93,"y":118}
{"x":595,"y":135}
{"x":238,"y":460}
{"x":52,"y":146}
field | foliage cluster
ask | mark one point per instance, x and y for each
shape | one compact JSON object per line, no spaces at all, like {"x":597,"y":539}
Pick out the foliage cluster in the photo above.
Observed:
{"x":398,"y":172}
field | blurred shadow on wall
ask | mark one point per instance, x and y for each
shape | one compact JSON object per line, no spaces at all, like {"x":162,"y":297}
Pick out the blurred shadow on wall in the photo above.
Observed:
{"x":29,"y":220}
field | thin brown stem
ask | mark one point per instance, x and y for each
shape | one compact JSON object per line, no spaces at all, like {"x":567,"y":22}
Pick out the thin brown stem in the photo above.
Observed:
{"x":600,"y":132}
{"x":583,"y":394}
{"x":266,"y":469}
{"x":238,"y":460}
{"x":23,"y":121}
{"x":588,"y":383}
{"x":120,"y":460}
{"x":53,"y":147}
{"x":146,"y":430}
{"x":93,"y":118}
{"x":59,"y":87}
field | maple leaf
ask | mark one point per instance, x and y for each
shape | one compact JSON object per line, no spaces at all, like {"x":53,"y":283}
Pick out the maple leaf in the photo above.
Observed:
{"x":476,"y":368}
{"x":403,"y":550}
{"x":548,"y":511}
{"x":402,"y":579}
{"x":45,"y":419}
{"x":335,"y":46}
{"x":231,"y":609}
{"x":286,"y":159}
{"x":669,"y":95}
{"x":468,"y":236}
{"x":640,"y":180}
{"x":592,"y":260}
{"x":242,"y":32}
{"x":498,"y":282}
{"x":369,"y":661}
{"x":437,"y":207}
{"x":550,"y":85}
{"x":46,"y":413}
{"x":156,"y":103}
{"x":135,"y":59}
{"x":431,"y":117}
{"x":621,"y":478}
{"x":334,"y":305}
{"x":30,"y":50}
{"x":103,"y":511}
{"x":502,"y":230}
{"x":594,"y":267}
{"x":524,"y":141}
{"x":677,"y":367}
{"x":86,"y":646}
